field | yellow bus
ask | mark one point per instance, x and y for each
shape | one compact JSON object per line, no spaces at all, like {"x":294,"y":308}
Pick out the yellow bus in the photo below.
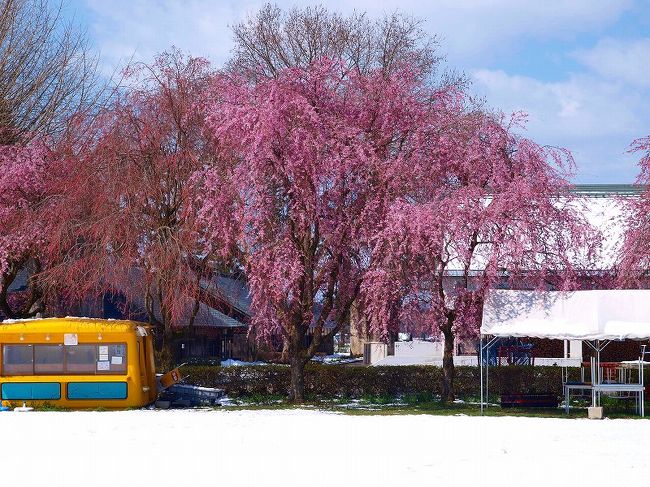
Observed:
{"x":76,"y":363}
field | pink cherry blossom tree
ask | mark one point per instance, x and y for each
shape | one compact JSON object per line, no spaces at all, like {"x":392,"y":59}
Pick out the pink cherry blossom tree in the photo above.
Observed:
{"x":323,"y":152}
{"x":128,"y":219}
{"x":25,"y":173}
{"x":502,"y":212}
{"x":635,"y":252}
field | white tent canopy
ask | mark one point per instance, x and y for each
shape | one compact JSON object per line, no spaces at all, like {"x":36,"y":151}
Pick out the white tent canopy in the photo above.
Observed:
{"x":576,"y":315}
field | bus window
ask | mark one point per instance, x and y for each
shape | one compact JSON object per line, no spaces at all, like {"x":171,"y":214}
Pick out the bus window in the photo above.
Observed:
{"x":17,"y":360}
{"x":111,"y":358}
{"x":48,"y":359}
{"x":117,"y":354}
{"x":81,"y":358}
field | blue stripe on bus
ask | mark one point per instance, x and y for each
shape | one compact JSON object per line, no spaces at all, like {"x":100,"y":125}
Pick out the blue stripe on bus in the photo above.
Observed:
{"x":13,"y":391}
{"x":97,"y":390}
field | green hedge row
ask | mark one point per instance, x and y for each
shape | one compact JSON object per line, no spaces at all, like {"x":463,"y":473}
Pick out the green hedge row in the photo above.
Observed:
{"x":354,"y":382}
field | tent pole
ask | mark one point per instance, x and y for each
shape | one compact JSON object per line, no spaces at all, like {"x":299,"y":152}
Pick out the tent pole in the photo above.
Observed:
{"x":641,"y":393}
{"x":487,"y":373}
{"x":480,"y":363}
{"x":641,"y":381}
{"x":598,"y":375}
{"x":594,"y":380}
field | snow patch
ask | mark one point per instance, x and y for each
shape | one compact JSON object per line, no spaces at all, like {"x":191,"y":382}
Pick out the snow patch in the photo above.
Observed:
{"x":239,"y":363}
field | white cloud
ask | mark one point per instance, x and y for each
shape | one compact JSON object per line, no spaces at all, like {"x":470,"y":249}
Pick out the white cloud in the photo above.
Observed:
{"x":596,"y":119}
{"x":470,"y":29}
{"x":626,"y":60}
{"x":580,"y":106}
{"x":474,"y":30}
{"x":138,"y":29}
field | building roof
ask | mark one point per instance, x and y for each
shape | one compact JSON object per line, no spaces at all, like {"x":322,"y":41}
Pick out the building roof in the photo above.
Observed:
{"x":233,"y":292}
{"x":20,"y":282}
{"x":208,"y":317}
{"x":226,"y":304}
{"x":602,"y":208}
{"x":607,"y":190}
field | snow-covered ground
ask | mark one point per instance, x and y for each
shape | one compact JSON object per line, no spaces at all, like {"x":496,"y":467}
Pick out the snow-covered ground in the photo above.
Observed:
{"x":337,"y":358}
{"x":239,"y":363}
{"x":310,"y":448}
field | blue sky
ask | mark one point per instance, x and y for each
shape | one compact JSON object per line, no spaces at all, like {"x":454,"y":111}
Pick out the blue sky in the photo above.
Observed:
{"x":579,"y":68}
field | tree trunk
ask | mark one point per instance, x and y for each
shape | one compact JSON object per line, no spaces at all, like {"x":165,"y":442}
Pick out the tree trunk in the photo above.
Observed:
{"x":448,"y":363}
{"x":297,"y":387}
{"x":284,"y":356}
{"x":297,"y":364}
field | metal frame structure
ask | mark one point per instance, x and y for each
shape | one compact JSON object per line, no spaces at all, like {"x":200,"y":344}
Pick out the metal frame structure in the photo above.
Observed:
{"x":593,"y":316}
{"x":597,"y":387}
{"x":484,"y":355}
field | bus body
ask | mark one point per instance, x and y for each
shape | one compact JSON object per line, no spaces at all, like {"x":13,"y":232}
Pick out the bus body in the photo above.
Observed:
{"x":76,"y":363}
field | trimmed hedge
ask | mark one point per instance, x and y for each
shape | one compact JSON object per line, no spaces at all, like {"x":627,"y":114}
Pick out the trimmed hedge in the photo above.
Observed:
{"x":356,"y":381}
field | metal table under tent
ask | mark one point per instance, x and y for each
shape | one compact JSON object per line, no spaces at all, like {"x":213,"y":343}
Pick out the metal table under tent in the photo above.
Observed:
{"x":594,"y":317}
